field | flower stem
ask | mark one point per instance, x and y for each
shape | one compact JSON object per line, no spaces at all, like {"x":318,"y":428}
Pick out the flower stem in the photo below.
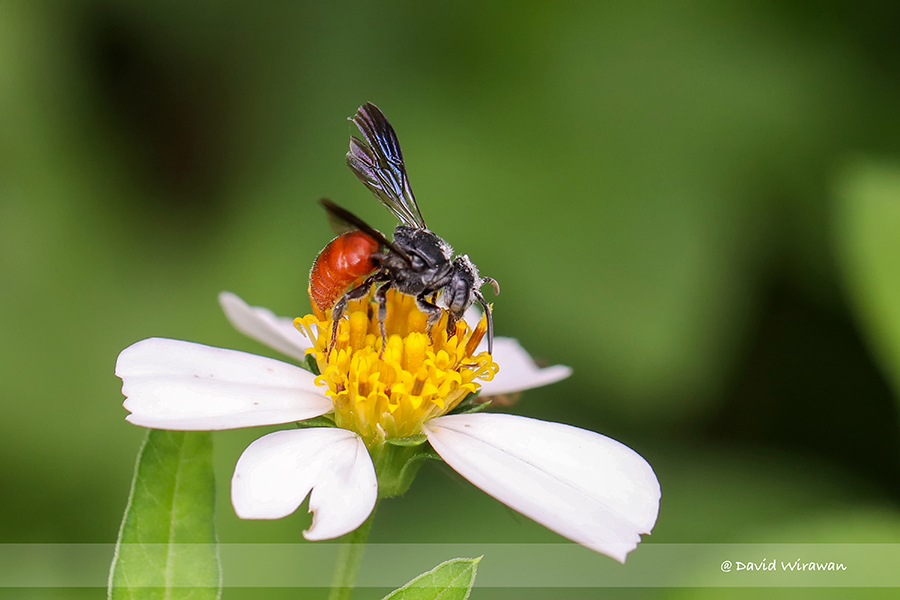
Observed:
{"x":349,"y":558}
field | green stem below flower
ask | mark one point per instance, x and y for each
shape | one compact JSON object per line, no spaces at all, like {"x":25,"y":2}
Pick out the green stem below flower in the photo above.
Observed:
{"x":349,"y":558}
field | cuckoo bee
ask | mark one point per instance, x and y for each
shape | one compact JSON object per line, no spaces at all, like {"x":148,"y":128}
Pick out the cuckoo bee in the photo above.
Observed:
{"x":417,"y":262}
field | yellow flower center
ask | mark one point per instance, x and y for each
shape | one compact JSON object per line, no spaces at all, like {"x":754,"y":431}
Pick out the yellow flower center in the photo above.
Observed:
{"x":389,"y":390}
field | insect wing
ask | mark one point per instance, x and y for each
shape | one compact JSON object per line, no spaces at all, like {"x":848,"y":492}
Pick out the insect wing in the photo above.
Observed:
{"x":378,"y":163}
{"x":338,"y":224}
{"x":342,"y":221}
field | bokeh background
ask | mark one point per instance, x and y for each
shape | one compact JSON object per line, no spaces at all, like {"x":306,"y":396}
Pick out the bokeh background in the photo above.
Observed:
{"x":695,"y":206}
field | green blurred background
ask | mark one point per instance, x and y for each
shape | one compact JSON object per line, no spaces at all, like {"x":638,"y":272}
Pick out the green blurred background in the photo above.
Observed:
{"x":695,"y":206}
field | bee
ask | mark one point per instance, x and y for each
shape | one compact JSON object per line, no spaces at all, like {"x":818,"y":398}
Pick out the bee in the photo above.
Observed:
{"x":416,"y":262}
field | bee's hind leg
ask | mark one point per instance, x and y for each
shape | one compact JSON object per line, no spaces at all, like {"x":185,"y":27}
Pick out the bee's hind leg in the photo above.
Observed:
{"x":337,"y":313}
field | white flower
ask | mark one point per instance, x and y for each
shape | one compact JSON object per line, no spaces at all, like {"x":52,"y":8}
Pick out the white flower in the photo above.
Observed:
{"x":580,"y":484}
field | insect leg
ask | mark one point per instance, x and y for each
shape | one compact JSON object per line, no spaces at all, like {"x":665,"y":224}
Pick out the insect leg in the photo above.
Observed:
{"x":432,"y":310}
{"x":381,"y":297}
{"x":490,"y":320}
{"x":337,"y":313}
{"x":452,"y":319}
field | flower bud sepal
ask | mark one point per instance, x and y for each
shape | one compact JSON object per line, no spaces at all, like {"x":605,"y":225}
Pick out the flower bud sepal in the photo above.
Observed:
{"x":397,"y":460}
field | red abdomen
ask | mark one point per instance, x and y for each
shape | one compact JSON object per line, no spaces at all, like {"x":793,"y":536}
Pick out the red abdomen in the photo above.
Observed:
{"x":346,"y":259}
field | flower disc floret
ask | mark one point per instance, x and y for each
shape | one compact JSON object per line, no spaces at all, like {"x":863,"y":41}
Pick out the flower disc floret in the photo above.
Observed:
{"x":389,"y":389}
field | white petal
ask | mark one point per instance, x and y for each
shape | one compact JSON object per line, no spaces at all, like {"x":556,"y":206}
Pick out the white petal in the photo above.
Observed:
{"x":517,"y":371}
{"x":582,"y":485}
{"x":277,"y":471}
{"x":171,"y":384}
{"x":264,"y":326}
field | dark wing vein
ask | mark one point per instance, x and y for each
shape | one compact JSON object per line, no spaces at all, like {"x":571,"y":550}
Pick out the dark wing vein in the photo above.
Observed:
{"x":378,"y":162}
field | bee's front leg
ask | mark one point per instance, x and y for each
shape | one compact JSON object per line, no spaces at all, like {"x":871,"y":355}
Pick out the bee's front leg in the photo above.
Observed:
{"x":432,"y":310}
{"x":381,"y":297}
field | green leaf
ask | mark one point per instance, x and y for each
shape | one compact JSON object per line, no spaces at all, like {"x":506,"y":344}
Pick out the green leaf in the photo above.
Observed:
{"x":410,"y":440}
{"x":475,"y":407}
{"x":321,"y":421}
{"x":310,"y":364}
{"x":167,"y":547}
{"x":868,"y":235}
{"x":451,"y":580}
{"x":472,"y":403}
